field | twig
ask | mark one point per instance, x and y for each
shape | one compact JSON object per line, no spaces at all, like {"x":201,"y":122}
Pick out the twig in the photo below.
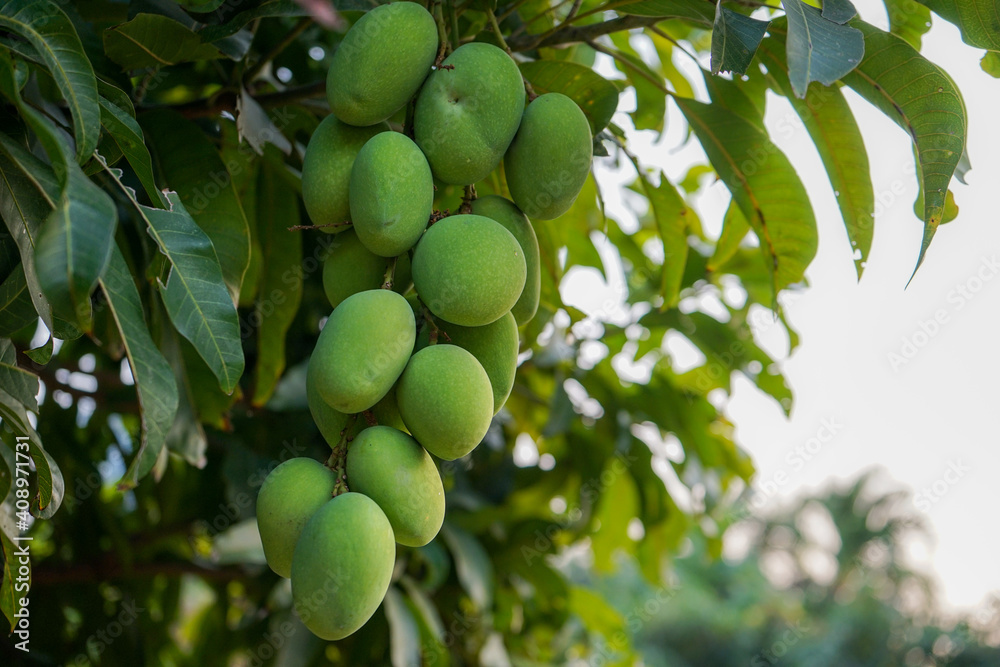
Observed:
{"x":569,"y":35}
{"x":625,"y":61}
{"x":496,"y":31}
{"x":226,"y":101}
{"x":297,"y":228}
{"x":390,"y":273}
{"x":289,"y":37}
{"x":470,"y":196}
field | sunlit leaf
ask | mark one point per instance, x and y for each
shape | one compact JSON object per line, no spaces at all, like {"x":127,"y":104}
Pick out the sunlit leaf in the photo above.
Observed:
{"x":818,"y":49}
{"x":735,"y":38}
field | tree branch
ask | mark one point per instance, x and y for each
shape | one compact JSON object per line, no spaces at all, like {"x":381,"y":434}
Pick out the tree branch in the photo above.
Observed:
{"x":583,"y":33}
{"x":226,"y":101}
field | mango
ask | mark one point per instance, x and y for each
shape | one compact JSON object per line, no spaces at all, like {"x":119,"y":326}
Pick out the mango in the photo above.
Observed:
{"x":288,"y":498}
{"x":468,"y":269}
{"x":495,"y":347}
{"x":381,"y":63}
{"x":514,"y":221}
{"x":446,"y":400}
{"x":397,"y":473}
{"x":329,"y":421}
{"x":362,"y":350}
{"x":466,"y":117}
{"x":342,"y":566}
{"x":326,"y":171}
{"x":350,"y":268}
{"x":549,"y":159}
{"x":392,"y":194}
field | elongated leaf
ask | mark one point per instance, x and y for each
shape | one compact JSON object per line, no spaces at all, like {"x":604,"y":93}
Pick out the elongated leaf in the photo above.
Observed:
{"x":734,"y":229}
{"x":909,"y":20}
{"x":979,"y":20}
{"x":16,"y":309}
{"x":597,"y":96}
{"x":74,"y":244}
{"x":280,"y":277}
{"x":818,"y":49}
{"x":404,"y":634}
{"x":152,"y":40}
{"x":472,"y":565}
{"x":764,"y":185}
{"x":735,"y":38}
{"x":698,"y":12}
{"x":922,"y":99}
{"x":991,"y":64}
{"x":44,"y":25}
{"x":49,"y":484}
{"x":154,"y":380}
{"x":127,"y":135}
{"x":213,"y":33}
{"x":670,"y":215}
{"x":650,"y":100}
{"x":191,"y":166}
{"x":10,"y":600}
{"x":839,"y":11}
{"x":19,"y":383}
{"x":834,"y":131}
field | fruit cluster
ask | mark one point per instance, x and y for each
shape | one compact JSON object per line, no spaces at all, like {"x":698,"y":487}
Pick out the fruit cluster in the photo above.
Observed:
{"x":421,"y":348}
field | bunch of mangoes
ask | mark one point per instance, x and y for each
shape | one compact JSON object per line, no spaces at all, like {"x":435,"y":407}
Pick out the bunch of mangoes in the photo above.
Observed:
{"x":421,"y":348}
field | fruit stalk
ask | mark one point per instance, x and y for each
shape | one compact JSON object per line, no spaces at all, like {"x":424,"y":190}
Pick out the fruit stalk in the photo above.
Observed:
{"x":499,"y":35}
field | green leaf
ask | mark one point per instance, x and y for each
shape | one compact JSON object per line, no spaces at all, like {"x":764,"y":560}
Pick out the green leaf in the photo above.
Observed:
{"x":671,"y":216}
{"x":734,"y":229}
{"x":191,"y":166}
{"x":839,"y":11}
{"x":651,"y":104}
{"x":735,"y":38}
{"x":153,"y":40}
{"x":120,"y":125}
{"x":764,"y":185}
{"x":818,"y":49}
{"x":991,"y":64}
{"x":618,"y":505}
{"x":909,"y":20}
{"x":10,"y":600}
{"x":597,"y":614}
{"x":834,"y":131}
{"x":74,"y":244}
{"x":472,"y":565}
{"x":44,"y":25}
{"x":213,"y":33}
{"x":42,"y":354}
{"x":670,"y":9}
{"x":154,"y":380}
{"x":201,"y":6}
{"x":256,"y":127}
{"x":404,"y":634}
{"x":16,"y":381}
{"x":596,"y":96}
{"x":922,"y":99}
{"x":16,"y":309}
{"x":49,"y":485}
{"x":979,"y":20}
{"x":280,"y":278}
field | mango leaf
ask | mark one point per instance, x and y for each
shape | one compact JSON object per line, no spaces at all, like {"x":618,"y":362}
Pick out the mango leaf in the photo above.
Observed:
{"x":42,"y":354}
{"x":925,"y":102}
{"x":153,"y":40}
{"x":404,"y":634}
{"x":595,"y":95}
{"x":19,"y":383}
{"x":617,"y":506}
{"x":670,"y":215}
{"x":909,"y":20}
{"x":818,"y":49}
{"x":280,"y":278}
{"x":119,"y":123}
{"x":191,"y":165}
{"x":764,"y":185}
{"x":16,"y":309}
{"x":74,"y":244}
{"x":597,"y":615}
{"x":991,"y":64}
{"x":201,"y":6}
{"x":735,"y":38}
{"x":49,"y":484}
{"x":741,"y":97}
{"x":651,"y":104}
{"x":154,"y":380}
{"x":670,"y":9}
{"x":833,"y":129}
{"x":734,"y":229}
{"x":52,"y":35}
{"x":979,"y":20}
{"x":839,"y":11}
{"x":214,"y":33}
{"x":472,"y":565}
{"x":10,"y":601}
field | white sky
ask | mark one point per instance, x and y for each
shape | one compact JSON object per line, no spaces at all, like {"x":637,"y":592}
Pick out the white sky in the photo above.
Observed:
{"x":914,"y":420}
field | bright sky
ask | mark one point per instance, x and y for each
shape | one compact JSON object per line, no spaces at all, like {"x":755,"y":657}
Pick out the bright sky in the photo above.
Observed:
{"x":925,"y":422}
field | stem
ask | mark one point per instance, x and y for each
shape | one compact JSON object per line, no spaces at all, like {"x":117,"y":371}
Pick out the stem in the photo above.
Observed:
{"x":470,"y":196}
{"x":568,"y":35}
{"x":656,"y":31}
{"x":625,"y":61}
{"x":453,"y":17}
{"x":297,"y":228}
{"x":496,"y":31}
{"x":338,"y":458}
{"x":226,"y":101}
{"x":390,"y":273}
{"x":290,"y":37}
{"x":443,"y":42}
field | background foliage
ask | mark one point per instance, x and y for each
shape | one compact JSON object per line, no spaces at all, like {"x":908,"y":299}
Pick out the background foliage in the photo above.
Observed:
{"x":157,"y":314}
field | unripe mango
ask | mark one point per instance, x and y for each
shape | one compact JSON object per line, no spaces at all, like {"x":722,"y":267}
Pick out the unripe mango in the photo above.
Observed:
{"x":362,"y":350}
{"x":381,"y":63}
{"x":446,"y":400}
{"x":549,"y":159}
{"x":495,"y":347}
{"x":326,"y":171}
{"x":392,"y":194}
{"x":288,"y":498}
{"x":342,"y":566}
{"x":350,"y":268}
{"x":468,"y":269}
{"x":514,"y":221}
{"x":466,"y":117}
{"x":393,"y":469}
{"x":329,"y":421}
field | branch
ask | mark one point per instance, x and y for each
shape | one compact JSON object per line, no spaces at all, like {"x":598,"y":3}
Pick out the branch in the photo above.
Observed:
{"x":582,"y":34}
{"x":289,"y":37}
{"x":226,"y":101}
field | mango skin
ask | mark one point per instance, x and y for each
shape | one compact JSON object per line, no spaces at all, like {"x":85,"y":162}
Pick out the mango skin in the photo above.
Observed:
{"x":466,"y":117}
{"x":362,"y":350}
{"x":397,"y":473}
{"x":392,"y":194}
{"x":288,"y":498}
{"x":514,"y":221}
{"x":342,"y":566}
{"x":468,"y":269}
{"x":381,"y":63}
{"x":495,"y":347}
{"x":331,"y":423}
{"x":326,"y":170}
{"x":350,"y":268}
{"x":446,"y":400}
{"x":549,"y":159}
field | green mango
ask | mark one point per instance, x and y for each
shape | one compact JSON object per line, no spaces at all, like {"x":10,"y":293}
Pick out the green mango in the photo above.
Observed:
{"x":326,"y":170}
{"x":329,"y":421}
{"x":392,"y":469}
{"x":342,"y":566}
{"x":549,"y":159}
{"x":392,"y":194}
{"x":350,"y":268}
{"x":288,"y":498}
{"x":362,"y":350}
{"x":468,"y":269}
{"x":381,"y":62}
{"x":446,"y":400}
{"x":514,"y":221}
{"x":466,"y":117}
{"x":495,"y":347}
